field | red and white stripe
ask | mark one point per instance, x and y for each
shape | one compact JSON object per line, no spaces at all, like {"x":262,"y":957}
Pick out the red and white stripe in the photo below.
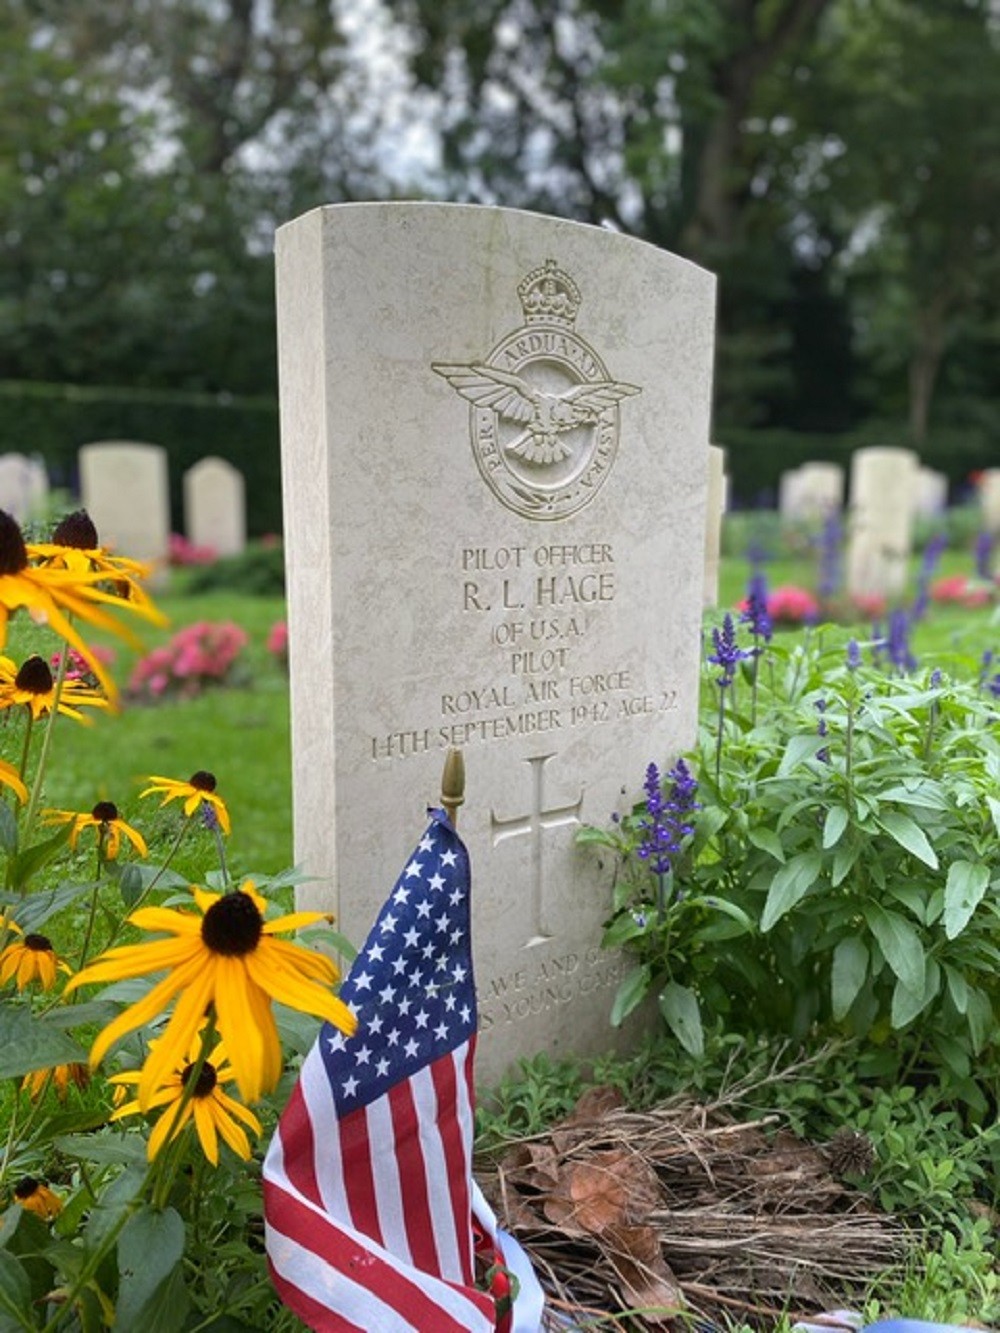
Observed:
{"x":369,"y":1217}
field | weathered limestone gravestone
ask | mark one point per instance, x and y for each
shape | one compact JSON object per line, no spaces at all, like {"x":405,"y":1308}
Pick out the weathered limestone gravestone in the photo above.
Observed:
{"x":494,"y":439}
{"x":24,"y":487}
{"x":931,"y":497}
{"x":810,"y":492}
{"x":215,"y":506}
{"x":989,"y":499}
{"x":125,"y":489}
{"x":883,"y":486}
{"x":716,"y":508}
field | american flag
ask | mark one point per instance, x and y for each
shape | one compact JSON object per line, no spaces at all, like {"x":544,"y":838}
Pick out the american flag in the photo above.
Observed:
{"x":373,"y":1220}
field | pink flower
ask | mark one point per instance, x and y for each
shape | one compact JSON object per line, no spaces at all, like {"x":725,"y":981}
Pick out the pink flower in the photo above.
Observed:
{"x":183,"y":552}
{"x":792,"y":604}
{"x":277,"y":639}
{"x":870,"y":604}
{"x":196,"y":656}
{"x":961,"y":591}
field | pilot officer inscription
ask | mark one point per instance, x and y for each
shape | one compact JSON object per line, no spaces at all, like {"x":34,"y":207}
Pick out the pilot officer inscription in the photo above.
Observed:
{"x":544,"y":410}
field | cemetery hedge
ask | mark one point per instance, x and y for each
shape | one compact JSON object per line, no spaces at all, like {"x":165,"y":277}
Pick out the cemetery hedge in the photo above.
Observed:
{"x":54,"y":420}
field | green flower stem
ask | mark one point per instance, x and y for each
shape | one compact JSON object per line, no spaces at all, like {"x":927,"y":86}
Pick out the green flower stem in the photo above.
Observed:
{"x":221,"y":848}
{"x":718,"y":738}
{"x":94,"y":1261}
{"x":43,"y":755}
{"x":152,"y":883}
{"x":26,"y":747}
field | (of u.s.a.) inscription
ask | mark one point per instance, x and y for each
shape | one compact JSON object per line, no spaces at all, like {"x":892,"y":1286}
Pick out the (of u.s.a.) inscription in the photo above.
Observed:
{"x":544,"y":409}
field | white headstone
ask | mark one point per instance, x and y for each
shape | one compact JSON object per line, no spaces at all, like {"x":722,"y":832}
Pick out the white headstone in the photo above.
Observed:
{"x":24,"y":487}
{"x":932,"y":493}
{"x":494,"y":442}
{"x":789,"y":491}
{"x":125,"y":489}
{"x":883,"y":486}
{"x":989,"y":499}
{"x":821,"y":490}
{"x":713,"y":526}
{"x":215,"y":506}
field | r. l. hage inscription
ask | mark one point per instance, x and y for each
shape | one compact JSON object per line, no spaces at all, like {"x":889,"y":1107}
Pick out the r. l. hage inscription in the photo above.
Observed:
{"x":533,"y":606}
{"x":543,"y":407}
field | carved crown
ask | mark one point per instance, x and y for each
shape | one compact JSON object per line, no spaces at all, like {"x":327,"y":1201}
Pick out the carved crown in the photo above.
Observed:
{"x":549,"y":296}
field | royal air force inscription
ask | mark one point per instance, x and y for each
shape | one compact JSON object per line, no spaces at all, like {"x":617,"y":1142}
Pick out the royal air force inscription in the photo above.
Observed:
{"x":531,"y":607}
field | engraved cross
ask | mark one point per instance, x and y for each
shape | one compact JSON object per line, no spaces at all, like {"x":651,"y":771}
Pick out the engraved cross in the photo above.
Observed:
{"x":532,"y":825}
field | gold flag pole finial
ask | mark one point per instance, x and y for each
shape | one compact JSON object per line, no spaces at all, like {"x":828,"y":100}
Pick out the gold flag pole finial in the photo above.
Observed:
{"x":453,"y":784}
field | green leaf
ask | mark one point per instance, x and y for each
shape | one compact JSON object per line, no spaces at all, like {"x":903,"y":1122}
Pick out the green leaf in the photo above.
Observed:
{"x":907,"y":1004}
{"x":15,"y":1291}
{"x":792,"y":882}
{"x":32,"y":912}
{"x":115,"y":1201}
{"x":848,"y":973}
{"x":994,"y":805}
{"x":768,"y":841}
{"x":900,"y":943}
{"x":979,"y":1015}
{"x":116,"y":1148}
{"x":28,"y":1042}
{"x":150,"y":1246}
{"x":8,"y":829}
{"x":21,"y":867}
{"x":679,"y":1006}
{"x":958,"y":988}
{"x":598,"y":836}
{"x":844,"y":857}
{"x":963,"y":892}
{"x":130,"y":884}
{"x":632,"y":990}
{"x":834,"y":825}
{"x":798,"y":750}
{"x":909,"y":835}
{"x":726,"y":907}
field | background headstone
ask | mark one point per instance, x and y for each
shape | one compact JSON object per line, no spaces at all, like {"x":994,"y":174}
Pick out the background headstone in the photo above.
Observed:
{"x":989,"y":499}
{"x":494,"y":441}
{"x":931,"y":493}
{"x":880,"y":525}
{"x":820,"y":490}
{"x":24,"y":487}
{"x":125,"y":489}
{"x":789,"y":493}
{"x":215,"y":506}
{"x":716,"y":508}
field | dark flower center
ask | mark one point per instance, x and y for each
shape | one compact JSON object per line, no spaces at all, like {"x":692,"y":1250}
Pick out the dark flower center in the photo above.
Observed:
{"x":26,"y":1187}
{"x":13,"y":552}
{"x":104,"y":812}
{"x":232,"y":926}
{"x":207,"y":1079}
{"x":76,"y":530}
{"x":40,"y":943}
{"x":203,"y":781}
{"x":35,"y":676}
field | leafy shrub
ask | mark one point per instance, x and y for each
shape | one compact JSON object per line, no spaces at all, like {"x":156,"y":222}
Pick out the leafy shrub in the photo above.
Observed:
{"x":842,"y":876}
{"x":260,"y":570}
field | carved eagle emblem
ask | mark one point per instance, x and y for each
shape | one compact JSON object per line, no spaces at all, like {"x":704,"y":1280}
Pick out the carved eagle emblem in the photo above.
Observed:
{"x":544,"y":416}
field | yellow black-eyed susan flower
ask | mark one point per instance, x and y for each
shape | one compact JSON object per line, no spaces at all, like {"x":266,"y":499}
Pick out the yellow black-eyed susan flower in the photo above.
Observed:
{"x":51,"y":593}
{"x":36,"y":1197}
{"x":33,"y":685}
{"x":58,"y":1077}
{"x":225,"y":956}
{"x":109,"y":825}
{"x":31,"y":958}
{"x":75,"y":545}
{"x":213,"y":1111}
{"x":197,"y":793}
{"x":10,"y":777}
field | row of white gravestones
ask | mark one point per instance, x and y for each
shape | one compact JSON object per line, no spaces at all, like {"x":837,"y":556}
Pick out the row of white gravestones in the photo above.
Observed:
{"x":24,"y":487}
{"x":124,"y":486}
{"x":810,"y":492}
{"x":494,"y":448}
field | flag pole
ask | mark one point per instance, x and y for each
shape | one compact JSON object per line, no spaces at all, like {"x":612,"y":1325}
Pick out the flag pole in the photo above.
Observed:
{"x":453,"y":784}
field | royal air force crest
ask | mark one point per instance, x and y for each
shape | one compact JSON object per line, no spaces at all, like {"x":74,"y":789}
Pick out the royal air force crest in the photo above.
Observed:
{"x":543,"y":408}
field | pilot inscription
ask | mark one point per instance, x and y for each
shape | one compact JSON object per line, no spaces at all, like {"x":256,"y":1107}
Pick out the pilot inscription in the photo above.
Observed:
{"x":544,"y":410}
